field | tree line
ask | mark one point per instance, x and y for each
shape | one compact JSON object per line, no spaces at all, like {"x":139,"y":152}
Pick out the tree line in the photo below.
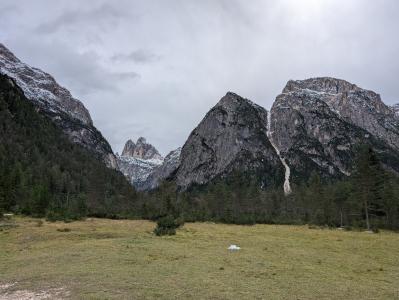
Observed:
{"x":369,"y":199}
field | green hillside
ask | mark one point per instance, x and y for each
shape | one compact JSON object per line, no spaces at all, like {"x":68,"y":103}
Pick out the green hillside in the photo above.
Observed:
{"x":43,"y":173}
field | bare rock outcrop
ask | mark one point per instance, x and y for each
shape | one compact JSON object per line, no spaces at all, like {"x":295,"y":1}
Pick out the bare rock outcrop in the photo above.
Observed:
{"x":163,"y":171}
{"x":138,"y":161}
{"x":318,"y":123}
{"x":141,"y":149}
{"x":353,"y":104}
{"x":232,"y":137}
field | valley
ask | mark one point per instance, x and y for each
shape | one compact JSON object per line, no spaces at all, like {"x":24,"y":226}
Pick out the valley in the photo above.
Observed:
{"x":120,"y":259}
{"x":199,"y":150}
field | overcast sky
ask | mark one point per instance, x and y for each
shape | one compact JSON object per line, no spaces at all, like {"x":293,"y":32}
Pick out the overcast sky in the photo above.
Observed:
{"x":154,"y":68}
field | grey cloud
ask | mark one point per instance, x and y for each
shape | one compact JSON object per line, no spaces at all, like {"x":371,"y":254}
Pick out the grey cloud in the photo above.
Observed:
{"x":85,"y":74}
{"x":8,"y":10}
{"x":137,"y":56}
{"x":126,"y":75}
{"x":82,"y":73}
{"x":101,"y":17}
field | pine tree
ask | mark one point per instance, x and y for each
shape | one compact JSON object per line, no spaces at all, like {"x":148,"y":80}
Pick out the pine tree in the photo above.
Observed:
{"x":368,"y":182}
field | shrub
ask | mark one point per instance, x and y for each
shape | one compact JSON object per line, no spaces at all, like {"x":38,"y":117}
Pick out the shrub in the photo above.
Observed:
{"x":53,"y":216}
{"x":375,"y":230}
{"x":167,"y":225}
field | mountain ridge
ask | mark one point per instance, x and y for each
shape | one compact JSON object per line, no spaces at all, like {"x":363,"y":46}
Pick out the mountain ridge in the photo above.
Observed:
{"x":138,"y":160}
{"x":57,"y":103}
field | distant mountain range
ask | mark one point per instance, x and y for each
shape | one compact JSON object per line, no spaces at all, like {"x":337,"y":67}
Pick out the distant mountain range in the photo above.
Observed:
{"x":313,"y":125}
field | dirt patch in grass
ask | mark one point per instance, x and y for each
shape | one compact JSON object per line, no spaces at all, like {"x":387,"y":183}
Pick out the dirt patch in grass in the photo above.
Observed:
{"x":9,"y":291}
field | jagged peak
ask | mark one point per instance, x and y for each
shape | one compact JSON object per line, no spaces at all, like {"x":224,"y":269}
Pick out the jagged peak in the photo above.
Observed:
{"x":41,"y":88}
{"x":141,"y":149}
{"x":130,"y":143}
{"x":232,"y":99}
{"x":141,"y":140}
{"x":320,"y":84}
{"x":173,"y":153}
{"x":5,"y":52}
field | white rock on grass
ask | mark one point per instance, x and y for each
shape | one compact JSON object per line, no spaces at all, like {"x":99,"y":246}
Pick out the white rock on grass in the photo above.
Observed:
{"x":234,"y":248}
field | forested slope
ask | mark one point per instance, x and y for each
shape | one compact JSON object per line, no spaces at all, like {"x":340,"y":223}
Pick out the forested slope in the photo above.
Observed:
{"x":43,"y":173}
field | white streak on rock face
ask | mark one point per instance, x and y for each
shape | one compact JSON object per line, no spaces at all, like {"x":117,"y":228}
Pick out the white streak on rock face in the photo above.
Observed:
{"x":287,"y":186}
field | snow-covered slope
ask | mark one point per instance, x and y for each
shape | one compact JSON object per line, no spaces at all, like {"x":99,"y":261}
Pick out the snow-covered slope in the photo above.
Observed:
{"x":395,"y":109}
{"x":138,"y":161}
{"x":41,"y":87}
{"x":136,"y":169}
{"x":57,"y":103}
{"x":163,"y":171}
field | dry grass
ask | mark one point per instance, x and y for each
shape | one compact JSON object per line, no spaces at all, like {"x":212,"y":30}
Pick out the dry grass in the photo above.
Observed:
{"x":112,"y":259}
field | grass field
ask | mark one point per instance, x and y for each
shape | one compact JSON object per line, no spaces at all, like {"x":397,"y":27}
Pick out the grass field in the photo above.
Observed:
{"x":112,"y":259}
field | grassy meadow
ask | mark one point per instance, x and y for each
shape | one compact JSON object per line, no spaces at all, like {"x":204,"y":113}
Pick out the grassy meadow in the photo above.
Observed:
{"x":123,"y":259}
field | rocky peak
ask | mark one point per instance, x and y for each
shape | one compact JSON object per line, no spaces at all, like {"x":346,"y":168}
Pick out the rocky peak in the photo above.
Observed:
{"x":318,"y":122}
{"x":138,"y":161}
{"x":395,"y":109}
{"x":141,"y":149}
{"x":353,"y":104}
{"x":8,"y":55}
{"x":129,"y":148}
{"x":320,"y":84}
{"x":231,"y":101}
{"x":42,"y":88}
{"x":141,"y":141}
{"x":58,"y":104}
{"x":163,"y":171}
{"x":231,"y":137}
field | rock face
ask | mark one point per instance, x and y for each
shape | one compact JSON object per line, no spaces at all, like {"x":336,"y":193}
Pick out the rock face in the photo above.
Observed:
{"x":163,"y":171}
{"x":141,"y":150}
{"x":317,"y":123}
{"x":353,"y":104}
{"x":137,"y":170}
{"x":138,"y":161}
{"x":57,"y":102}
{"x":231,"y":137}
{"x":395,"y":109}
{"x":314,"y":125}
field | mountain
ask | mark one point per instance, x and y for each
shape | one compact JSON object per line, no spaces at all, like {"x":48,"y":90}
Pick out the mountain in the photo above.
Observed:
{"x":354,"y":105}
{"x":43,"y":173}
{"x":395,"y":109}
{"x":318,"y":123}
{"x":315,"y":124}
{"x":57,"y":103}
{"x":316,"y":144}
{"x":141,"y":149}
{"x":138,"y":161}
{"x":231,"y":138}
{"x":164,"y":171}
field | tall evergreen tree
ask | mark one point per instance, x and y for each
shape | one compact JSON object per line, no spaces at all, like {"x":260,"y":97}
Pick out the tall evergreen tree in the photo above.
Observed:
{"x":368,"y":182}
